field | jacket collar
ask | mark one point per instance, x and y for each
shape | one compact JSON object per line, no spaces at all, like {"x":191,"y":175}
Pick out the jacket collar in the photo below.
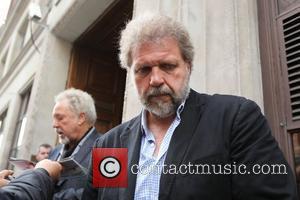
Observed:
{"x":131,"y":139}
{"x":86,"y":145}
{"x":181,"y":138}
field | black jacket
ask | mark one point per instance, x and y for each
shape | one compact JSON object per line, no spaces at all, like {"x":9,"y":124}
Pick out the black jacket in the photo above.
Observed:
{"x":214,"y":130}
{"x":70,"y":186}
{"x":31,"y":185}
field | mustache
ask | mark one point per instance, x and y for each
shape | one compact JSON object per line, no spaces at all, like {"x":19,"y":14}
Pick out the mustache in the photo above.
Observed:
{"x":155,"y":91}
{"x":58,"y":131}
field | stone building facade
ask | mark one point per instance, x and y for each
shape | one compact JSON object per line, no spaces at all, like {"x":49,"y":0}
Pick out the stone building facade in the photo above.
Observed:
{"x":73,"y":44}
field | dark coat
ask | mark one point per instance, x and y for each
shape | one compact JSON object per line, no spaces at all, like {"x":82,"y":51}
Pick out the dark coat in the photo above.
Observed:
{"x":30,"y":185}
{"x":70,"y":187}
{"x":218,"y":129}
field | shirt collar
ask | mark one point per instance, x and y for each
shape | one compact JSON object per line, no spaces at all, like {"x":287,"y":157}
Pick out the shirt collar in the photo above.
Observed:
{"x":87,"y":134}
{"x":145,"y":130}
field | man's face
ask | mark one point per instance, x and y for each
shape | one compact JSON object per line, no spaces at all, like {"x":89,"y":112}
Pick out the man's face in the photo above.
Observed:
{"x":43,"y":153}
{"x":65,"y":122}
{"x":161,"y":76}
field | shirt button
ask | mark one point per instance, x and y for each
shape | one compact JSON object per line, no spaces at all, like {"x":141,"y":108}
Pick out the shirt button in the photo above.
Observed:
{"x":152,"y":144}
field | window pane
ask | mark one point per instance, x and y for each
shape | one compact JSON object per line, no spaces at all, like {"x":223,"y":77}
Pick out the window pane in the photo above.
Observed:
{"x":22,"y":130}
{"x":21,"y":124}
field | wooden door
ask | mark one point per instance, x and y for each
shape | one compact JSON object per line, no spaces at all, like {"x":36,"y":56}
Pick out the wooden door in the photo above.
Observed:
{"x":94,"y":65}
{"x":101,"y":76}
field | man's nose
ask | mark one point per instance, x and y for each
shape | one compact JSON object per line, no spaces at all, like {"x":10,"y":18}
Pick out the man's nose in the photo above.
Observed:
{"x":54,"y":124}
{"x":156,"y":77}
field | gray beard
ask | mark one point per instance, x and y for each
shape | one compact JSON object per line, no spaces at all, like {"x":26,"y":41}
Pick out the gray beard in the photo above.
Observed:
{"x":161,"y":108}
{"x":63,"y":140}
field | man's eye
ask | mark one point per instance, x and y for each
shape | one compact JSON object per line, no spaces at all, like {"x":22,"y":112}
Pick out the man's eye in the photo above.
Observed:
{"x":59,"y":118}
{"x":144,"y":70}
{"x":167,"y":66}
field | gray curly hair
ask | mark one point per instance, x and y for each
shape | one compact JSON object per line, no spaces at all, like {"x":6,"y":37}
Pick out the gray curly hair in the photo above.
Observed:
{"x":79,"y":102}
{"x":150,"y":27}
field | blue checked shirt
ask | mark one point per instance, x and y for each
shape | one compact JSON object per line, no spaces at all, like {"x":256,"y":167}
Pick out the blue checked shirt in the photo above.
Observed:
{"x":150,"y":167}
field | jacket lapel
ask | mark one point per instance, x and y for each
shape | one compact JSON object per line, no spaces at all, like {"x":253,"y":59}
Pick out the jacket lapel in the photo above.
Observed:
{"x":180,"y":140}
{"x":56,"y":152}
{"x":132,"y":140}
{"x":86,"y":147}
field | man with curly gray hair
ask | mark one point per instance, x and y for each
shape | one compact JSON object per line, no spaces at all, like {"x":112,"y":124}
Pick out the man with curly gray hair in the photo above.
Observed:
{"x":74,"y":116}
{"x":180,"y":130}
{"x":153,"y":28}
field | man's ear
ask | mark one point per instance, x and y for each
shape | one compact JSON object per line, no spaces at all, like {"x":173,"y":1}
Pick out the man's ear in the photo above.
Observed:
{"x":189,"y":66}
{"x":82,"y":119}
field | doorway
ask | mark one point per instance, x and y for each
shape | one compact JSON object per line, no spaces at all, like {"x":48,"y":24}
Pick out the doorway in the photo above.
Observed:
{"x":94,"y":65}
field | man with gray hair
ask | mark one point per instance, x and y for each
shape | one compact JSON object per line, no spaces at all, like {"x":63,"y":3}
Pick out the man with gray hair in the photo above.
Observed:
{"x":74,"y":116}
{"x":181,"y":129}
